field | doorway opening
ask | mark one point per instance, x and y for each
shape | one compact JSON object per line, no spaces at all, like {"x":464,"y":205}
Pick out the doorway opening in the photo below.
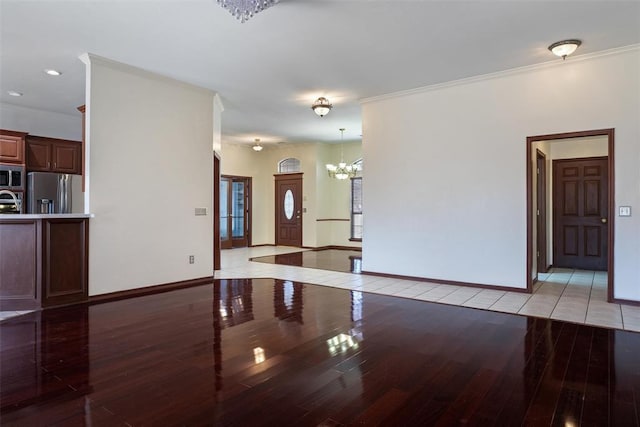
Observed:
{"x":235,"y":211}
{"x":570,"y":193}
{"x":541,"y":211}
{"x":216,"y":212}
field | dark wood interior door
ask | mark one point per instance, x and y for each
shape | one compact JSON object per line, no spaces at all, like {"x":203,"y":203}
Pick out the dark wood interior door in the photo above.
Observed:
{"x":235,"y":211}
{"x":289,"y":209}
{"x":580,"y":217}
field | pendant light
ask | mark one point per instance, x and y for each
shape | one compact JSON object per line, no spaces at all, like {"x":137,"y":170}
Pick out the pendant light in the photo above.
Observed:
{"x":257,"y":146}
{"x":321,"y":106}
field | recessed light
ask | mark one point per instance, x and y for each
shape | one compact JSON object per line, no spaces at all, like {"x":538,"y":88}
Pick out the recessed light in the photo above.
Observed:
{"x":52,"y":72}
{"x":14,"y":93}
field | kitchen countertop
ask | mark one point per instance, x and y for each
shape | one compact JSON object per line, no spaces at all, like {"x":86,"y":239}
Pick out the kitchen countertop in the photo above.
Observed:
{"x":44,"y":216}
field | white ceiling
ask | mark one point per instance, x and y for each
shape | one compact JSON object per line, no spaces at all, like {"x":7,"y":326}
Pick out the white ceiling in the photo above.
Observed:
{"x":270,"y":69}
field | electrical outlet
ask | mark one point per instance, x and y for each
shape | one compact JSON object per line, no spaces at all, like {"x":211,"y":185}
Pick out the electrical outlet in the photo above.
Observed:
{"x":192,"y":259}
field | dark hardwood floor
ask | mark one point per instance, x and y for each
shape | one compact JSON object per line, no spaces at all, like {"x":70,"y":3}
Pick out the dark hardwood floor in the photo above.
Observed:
{"x":343,"y":260}
{"x":266,"y":352}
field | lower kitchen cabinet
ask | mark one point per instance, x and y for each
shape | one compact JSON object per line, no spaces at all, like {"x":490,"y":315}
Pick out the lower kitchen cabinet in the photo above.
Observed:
{"x":64,"y":261}
{"x":19,"y":262}
{"x":43,"y":262}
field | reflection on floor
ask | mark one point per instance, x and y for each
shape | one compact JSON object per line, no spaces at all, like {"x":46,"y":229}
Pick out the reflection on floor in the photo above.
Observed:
{"x":342,"y":260}
{"x":267,"y":352}
{"x":572,"y":295}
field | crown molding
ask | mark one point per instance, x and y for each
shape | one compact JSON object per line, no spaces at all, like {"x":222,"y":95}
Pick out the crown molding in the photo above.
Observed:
{"x":90,"y":59}
{"x":499,"y":74}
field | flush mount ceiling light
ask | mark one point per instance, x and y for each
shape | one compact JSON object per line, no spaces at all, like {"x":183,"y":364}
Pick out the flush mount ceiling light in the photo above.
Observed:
{"x":257,"y":146}
{"x":342,"y":170}
{"x":321,"y":106}
{"x":14,"y":93}
{"x":52,"y":72}
{"x":565,"y":48}
{"x":242,"y":10}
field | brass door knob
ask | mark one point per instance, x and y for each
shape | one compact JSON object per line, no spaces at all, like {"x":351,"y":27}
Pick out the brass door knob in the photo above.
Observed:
{"x":603,"y":220}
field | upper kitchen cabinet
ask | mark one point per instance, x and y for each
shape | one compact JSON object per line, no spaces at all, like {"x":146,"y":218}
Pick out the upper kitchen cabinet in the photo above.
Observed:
{"x":12,"y":147}
{"x":53,"y":155}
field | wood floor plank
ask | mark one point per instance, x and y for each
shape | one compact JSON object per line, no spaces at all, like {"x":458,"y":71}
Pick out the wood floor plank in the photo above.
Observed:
{"x":263,"y":352}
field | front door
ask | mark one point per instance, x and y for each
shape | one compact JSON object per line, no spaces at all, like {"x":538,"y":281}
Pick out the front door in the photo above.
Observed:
{"x":288,"y":209}
{"x":580,"y":229}
{"x":235,"y":210}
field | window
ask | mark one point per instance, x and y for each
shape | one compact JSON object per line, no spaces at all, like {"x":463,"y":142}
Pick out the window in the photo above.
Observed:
{"x":356,"y":208}
{"x":358,"y":165}
{"x":289,"y":165}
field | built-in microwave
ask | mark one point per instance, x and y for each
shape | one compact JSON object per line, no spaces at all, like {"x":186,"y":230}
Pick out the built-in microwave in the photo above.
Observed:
{"x":12,"y":178}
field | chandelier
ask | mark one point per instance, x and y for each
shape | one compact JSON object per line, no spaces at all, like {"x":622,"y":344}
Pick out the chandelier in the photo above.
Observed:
{"x":342,"y":170}
{"x":245,"y":9}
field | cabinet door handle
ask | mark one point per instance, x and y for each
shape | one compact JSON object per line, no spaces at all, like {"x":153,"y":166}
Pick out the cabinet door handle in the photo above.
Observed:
{"x":55,"y":165}
{"x":48,"y":165}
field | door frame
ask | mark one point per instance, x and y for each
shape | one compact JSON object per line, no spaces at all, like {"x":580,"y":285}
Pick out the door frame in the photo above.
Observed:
{"x":283,"y":176}
{"x":248,"y":206}
{"x":216,"y":211}
{"x":541,"y":205}
{"x":610,"y":134}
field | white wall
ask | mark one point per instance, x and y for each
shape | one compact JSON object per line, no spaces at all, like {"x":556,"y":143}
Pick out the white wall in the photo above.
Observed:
{"x":150,"y":163}
{"x":41,"y":122}
{"x":573,"y":148}
{"x":460,"y":190}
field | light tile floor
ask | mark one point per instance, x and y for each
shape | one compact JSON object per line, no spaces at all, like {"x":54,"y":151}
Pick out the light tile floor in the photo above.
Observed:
{"x":570,"y":295}
{"x":9,"y":314}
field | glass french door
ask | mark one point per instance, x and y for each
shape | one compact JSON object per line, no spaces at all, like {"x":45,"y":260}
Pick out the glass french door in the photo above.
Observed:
{"x":235,"y":209}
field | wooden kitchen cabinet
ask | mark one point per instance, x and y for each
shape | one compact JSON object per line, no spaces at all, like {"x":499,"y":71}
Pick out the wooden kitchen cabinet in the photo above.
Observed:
{"x":53,"y":155}
{"x":12,"y":147}
{"x":43,"y":262}
{"x":65,"y":248}
{"x":19,"y":264}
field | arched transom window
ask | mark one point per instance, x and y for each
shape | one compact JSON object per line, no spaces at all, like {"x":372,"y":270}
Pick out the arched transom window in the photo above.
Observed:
{"x":289,"y":165}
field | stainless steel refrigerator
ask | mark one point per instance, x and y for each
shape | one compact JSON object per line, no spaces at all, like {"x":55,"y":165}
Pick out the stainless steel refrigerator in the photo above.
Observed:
{"x":51,"y":192}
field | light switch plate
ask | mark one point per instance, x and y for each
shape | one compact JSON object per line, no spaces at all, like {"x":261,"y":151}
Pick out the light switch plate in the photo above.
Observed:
{"x":625,"y":211}
{"x":201,"y":211}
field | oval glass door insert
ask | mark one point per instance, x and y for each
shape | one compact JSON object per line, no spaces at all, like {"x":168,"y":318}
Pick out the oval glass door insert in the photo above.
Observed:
{"x":288,"y":204}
